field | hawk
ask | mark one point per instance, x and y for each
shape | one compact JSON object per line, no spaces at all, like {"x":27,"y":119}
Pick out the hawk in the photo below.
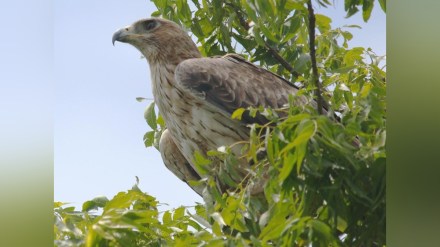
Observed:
{"x":196,"y":95}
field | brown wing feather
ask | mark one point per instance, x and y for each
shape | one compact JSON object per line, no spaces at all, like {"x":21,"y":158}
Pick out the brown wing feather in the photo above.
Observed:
{"x":230,"y":82}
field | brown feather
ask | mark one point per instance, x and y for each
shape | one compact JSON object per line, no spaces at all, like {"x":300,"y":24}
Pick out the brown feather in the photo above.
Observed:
{"x":230,"y":82}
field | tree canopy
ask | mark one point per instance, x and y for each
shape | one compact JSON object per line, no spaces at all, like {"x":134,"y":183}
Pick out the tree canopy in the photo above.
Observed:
{"x":326,"y":170}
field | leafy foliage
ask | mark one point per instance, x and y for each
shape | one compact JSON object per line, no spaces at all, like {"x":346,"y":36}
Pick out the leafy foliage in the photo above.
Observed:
{"x":326,"y":173}
{"x":129,"y":219}
{"x":157,"y":124}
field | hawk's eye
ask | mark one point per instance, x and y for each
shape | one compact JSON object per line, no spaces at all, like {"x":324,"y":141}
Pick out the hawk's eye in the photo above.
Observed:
{"x":149,"y":25}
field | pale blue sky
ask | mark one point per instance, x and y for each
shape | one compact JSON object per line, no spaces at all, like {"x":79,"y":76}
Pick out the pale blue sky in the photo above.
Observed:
{"x":98,"y":123}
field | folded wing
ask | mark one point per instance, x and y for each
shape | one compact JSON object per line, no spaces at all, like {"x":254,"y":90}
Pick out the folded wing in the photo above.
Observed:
{"x":230,"y":82}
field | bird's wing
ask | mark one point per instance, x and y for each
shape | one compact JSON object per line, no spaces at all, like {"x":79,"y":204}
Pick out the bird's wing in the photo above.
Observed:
{"x":230,"y":82}
{"x":176,"y":162}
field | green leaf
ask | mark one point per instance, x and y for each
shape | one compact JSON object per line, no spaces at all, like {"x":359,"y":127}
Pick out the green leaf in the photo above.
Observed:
{"x":383,"y":5}
{"x":226,"y":179}
{"x":348,"y":99}
{"x":149,"y":138}
{"x":294,"y":5}
{"x":365,"y":90}
{"x":58,"y":204}
{"x":350,"y":7}
{"x":120,"y":201}
{"x":277,"y":223}
{"x":301,"y":62}
{"x":156,"y":13}
{"x":160,"y":4}
{"x":289,"y":160}
{"x":347,"y":36}
{"x":260,"y":41}
{"x":183,"y":10}
{"x":166,"y":218}
{"x":356,"y":190}
{"x":218,"y":219}
{"x":178,"y":213}
{"x":201,"y":163}
{"x":353,"y":26}
{"x":324,"y":3}
{"x":297,"y":118}
{"x":269,"y":146}
{"x":268,"y":33}
{"x":237,"y":114}
{"x":293,"y":26}
{"x":160,"y":121}
{"x":247,"y":43}
{"x":343,"y":70}
{"x":300,"y":154}
{"x":250,"y":9}
{"x":200,"y":220}
{"x":264,"y":8}
{"x":353,"y":56}
{"x":305,"y":131}
{"x":323,"y":23}
{"x":95,"y":203}
{"x":150,"y":116}
{"x":367,"y":7}
{"x":140,"y":99}
{"x":206,"y":26}
{"x":321,"y":227}
{"x":197,"y":30}
{"x":226,"y":37}
{"x":232,"y":214}
{"x":342,"y":224}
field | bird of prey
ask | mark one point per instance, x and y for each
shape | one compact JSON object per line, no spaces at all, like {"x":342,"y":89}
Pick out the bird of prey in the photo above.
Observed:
{"x":196,"y":95}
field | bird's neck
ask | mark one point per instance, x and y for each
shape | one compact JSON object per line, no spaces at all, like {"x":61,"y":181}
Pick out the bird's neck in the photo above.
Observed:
{"x":164,"y":86}
{"x":174,"y":59}
{"x":162,"y":67}
{"x":170,"y":55}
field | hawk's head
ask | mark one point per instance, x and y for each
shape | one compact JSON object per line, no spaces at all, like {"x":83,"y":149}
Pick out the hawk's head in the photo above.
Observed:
{"x":159,"y":40}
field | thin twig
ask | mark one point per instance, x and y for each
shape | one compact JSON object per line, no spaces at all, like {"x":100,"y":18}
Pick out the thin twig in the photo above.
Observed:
{"x":315,"y":75}
{"x":280,"y":59}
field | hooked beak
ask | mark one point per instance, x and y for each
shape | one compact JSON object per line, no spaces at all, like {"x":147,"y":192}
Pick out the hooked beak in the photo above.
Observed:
{"x":120,"y":35}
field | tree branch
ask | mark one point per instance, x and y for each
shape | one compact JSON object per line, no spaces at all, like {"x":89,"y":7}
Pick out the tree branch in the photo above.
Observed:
{"x":315,"y":75}
{"x":272,"y":51}
{"x":282,"y":61}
